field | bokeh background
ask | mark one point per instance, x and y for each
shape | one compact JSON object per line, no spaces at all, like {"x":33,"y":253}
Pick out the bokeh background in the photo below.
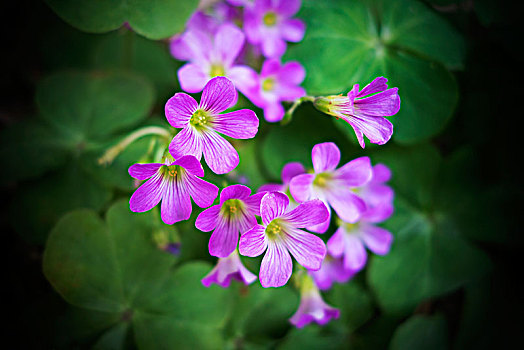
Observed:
{"x":452,"y":278}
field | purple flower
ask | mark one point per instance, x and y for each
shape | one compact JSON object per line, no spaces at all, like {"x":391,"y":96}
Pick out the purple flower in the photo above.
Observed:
{"x":312,"y":308}
{"x":174,"y":183}
{"x":365,"y":114}
{"x":227,"y":269}
{"x":268,"y":23}
{"x":211,"y":57}
{"x":333,"y":186}
{"x":275,"y":84}
{"x":332,"y":270}
{"x":350,"y":240}
{"x":201,"y":122}
{"x":235,"y":213}
{"x":280,"y":235}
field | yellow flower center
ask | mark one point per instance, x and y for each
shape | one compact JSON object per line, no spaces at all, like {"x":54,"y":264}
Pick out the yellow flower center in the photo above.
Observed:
{"x":232,"y":208}
{"x":268,"y":84}
{"x":199,"y":118}
{"x":217,"y":70}
{"x":321,"y":179}
{"x":273,"y":229}
{"x":270,"y":19}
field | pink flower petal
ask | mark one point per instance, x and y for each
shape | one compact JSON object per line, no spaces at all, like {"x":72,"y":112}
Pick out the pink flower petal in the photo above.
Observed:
{"x":308,"y":249}
{"x":176,"y":204}
{"x":207,"y":220}
{"x":355,"y":255}
{"x":274,"y":112}
{"x":218,"y":95}
{"x":377,"y":85}
{"x":273,"y":46}
{"x":253,"y":242}
{"x":292,"y":73}
{"x":272,"y":206}
{"x":356,"y":173}
{"x":234,"y":191}
{"x":300,"y":187}
{"x":192,"y":77}
{"x":143,"y":171}
{"x":229,"y":40}
{"x":253,"y":203}
{"x":377,"y":239}
{"x":377,"y":129}
{"x":224,"y":239}
{"x":384,"y":103}
{"x":191,"y":164}
{"x":293,"y":30}
{"x":148,"y":195}
{"x":271,"y":188}
{"x":288,"y":7}
{"x":219,"y":154}
{"x":336,"y":243}
{"x":310,"y":213}
{"x":276,"y":266}
{"x":348,"y":206}
{"x":325,"y":156}
{"x":179,"y":109}
{"x":244,"y":78}
{"x":199,"y":45}
{"x":186,"y":142}
{"x":241,"y":124}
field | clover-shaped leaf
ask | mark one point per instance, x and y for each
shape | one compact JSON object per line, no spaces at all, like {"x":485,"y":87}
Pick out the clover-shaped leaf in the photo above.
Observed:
{"x":155,"y":19}
{"x":425,"y":233}
{"x":114,"y":267}
{"x":349,"y":42}
{"x":81,"y":114}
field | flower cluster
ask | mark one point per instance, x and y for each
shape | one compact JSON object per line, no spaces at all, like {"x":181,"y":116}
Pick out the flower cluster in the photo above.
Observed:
{"x":280,"y":221}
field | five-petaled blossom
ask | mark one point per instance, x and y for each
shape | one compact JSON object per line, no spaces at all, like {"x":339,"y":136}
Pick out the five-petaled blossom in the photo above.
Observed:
{"x":268,"y":23}
{"x":312,"y":308}
{"x":211,"y":57}
{"x":201,"y":122}
{"x":280,"y":235}
{"x":332,"y":270}
{"x":365,"y":114}
{"x":333,"y":186}
{"x":227,"y":269}
{"x":173,"y":182}
{"x":235,"y":213}
{"x":277,"y":82}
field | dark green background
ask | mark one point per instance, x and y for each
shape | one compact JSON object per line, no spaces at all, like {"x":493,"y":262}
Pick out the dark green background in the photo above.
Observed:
{"x":452,"y":279}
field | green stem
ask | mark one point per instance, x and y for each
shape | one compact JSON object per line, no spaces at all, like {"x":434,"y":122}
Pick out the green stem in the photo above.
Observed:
{"x":291,"y":110}
{"x":111,"y":153}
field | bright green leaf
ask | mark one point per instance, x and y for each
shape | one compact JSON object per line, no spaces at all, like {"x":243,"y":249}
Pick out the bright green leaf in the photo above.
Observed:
{"x":354,"y":42}
{"x":114,"y":267}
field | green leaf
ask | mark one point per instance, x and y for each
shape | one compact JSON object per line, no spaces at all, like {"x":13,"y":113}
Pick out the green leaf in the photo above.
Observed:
{"x":312,"y":337}
{"x":155,"y":19}
{"x":126,"y":50}
{"x":28,"y":149}
{"x":114,"y":267}
{"x":40,"y":203}
{"x":353,"y":42}
{"x":88,"y":107}
{"x":421,"y":332}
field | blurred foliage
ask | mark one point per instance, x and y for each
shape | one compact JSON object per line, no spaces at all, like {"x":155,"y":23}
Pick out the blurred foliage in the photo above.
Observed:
{"x":448,"y":282}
